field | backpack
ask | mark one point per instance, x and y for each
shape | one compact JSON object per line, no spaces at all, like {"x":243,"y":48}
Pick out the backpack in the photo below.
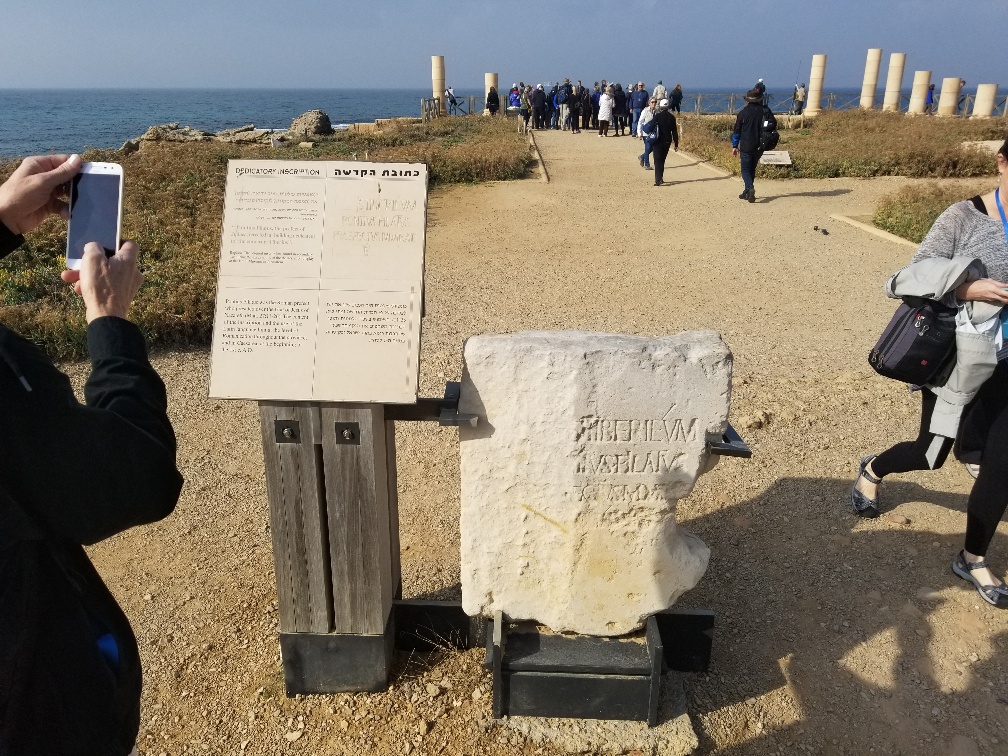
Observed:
{"x":562,"y":94}
{"x":768,"y":136}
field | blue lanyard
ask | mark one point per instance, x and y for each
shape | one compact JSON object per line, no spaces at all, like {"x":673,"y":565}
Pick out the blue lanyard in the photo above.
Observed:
{"x":1004,"y":222}
{"x":997,"y":201}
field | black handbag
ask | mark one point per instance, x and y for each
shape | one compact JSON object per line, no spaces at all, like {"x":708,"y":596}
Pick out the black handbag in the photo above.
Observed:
{"x":918,"y":345}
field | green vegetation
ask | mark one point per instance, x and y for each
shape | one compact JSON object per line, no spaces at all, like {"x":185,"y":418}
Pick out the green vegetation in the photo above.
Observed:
{"x":172,"y":208}
{"x":856,"y":143}
{"x":912,"y":210}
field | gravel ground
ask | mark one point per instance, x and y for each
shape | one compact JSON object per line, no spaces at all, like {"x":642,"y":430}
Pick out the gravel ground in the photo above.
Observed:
{"x":834,"y":636}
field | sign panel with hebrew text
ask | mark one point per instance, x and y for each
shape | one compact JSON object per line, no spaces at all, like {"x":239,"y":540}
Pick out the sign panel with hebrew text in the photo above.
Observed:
{"x":320,"y":282}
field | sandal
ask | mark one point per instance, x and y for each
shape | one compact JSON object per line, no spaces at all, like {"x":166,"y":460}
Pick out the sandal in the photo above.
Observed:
{"x":863,"y":506}
{"x":995,"y":595}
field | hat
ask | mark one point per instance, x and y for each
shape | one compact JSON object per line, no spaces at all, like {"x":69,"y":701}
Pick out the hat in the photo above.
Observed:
{"x":539,"y":87}
{"x":663,"y":105}
{"x":567,"y":81}
{"x":753,"y":95}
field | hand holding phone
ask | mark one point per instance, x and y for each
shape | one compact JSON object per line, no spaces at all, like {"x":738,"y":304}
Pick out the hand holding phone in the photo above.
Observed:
{"x":36,"y":190}
{"x":95,"y":210}
{"x":107,"y":284}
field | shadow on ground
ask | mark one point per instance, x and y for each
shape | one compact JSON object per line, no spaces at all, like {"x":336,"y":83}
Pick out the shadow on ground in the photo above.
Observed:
{"x":825,"y":193}
{"x":837,"y":614}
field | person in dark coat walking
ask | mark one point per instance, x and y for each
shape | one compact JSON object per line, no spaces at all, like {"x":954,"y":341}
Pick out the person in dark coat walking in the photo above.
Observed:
{"x":595,"y":97}
{"x":664,"y":132}
{"x":746,"y":141}
{"x":675,"y":99}
{"x":493,"y":101}
{"x":586,"y":108}
{"x":539,"y":108}
{"x":619,"y":117}
{"x":574,"y":109}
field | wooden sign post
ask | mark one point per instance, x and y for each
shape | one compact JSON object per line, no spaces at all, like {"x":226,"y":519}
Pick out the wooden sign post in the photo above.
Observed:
{"x":318,"y":310}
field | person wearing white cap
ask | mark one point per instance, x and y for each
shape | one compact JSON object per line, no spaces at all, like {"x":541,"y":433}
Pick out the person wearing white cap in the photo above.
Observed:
{"x":665,"y":132}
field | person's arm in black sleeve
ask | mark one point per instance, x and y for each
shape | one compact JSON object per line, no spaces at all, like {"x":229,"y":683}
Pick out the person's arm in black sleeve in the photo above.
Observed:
{"x":86,"y":472}
{"x":675,"y":133}
{"x":9,"y":241}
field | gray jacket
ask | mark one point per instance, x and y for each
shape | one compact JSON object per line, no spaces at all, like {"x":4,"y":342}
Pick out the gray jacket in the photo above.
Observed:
{"x":976,"y":355}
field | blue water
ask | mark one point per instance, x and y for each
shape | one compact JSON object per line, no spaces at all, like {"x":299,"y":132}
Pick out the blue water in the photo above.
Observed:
{"x":70,"y":120}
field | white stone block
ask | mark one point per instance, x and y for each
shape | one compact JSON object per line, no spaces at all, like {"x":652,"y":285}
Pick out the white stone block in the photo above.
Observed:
{"x":584,"y":443}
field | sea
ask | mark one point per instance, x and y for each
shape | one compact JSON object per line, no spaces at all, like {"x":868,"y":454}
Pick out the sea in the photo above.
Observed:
{"x":39,"y":121}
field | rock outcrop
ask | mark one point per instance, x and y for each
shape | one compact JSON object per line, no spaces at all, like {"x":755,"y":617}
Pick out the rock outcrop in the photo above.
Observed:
{"x":583,"y":445}
{"x":312,"y":123}
{"x":173,"y":132}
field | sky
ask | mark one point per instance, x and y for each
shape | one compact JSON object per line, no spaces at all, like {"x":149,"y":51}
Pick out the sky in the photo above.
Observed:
{"x":388,"y":44}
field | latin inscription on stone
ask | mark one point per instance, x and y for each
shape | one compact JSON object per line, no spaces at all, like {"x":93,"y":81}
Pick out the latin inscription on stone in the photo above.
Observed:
{"x":321,"y":269}
{"x":584,"y":443}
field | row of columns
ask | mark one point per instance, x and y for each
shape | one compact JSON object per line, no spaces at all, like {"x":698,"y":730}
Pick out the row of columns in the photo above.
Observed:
{"x":948,"y":101}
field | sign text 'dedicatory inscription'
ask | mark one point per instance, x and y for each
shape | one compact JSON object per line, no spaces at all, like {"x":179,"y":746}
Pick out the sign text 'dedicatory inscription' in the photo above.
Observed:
{"x":321,"y":281}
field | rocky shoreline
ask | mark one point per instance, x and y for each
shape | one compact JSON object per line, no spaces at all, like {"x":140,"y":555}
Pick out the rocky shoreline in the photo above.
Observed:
{"x":307,"y":127}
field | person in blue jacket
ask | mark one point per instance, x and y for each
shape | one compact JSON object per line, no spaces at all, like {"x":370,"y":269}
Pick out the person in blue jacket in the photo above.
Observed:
{"x":595,"y":96}
{"x":638,"y":101}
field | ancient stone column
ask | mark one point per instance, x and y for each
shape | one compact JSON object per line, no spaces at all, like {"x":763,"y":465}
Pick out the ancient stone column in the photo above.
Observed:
{"x":871,"y":78}
{"x":490,"y":80}
{"x":983,"y":106}
{"x":918,"y":95}
{"x":438,"y":79}
{"x":949,"y":101}
{"x":583,"y":444}
{"x":894,"y":82}
{"x":816,"y":78}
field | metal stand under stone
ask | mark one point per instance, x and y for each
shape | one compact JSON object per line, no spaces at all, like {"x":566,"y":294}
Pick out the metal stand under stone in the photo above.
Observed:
{"x":331,"y":481}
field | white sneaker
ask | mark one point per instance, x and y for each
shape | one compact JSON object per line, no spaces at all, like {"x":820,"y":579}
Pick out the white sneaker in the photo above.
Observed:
{"x":972,"y":469}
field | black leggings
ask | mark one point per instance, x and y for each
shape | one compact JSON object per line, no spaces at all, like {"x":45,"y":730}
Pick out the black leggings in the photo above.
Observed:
{"x":984,"y":430}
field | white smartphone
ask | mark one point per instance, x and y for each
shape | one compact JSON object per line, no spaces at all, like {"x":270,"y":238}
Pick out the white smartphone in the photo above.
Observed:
{"x":95,"y":210}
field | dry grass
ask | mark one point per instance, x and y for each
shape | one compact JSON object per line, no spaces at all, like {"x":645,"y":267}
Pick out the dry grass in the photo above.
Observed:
{"x":911,"y":211}
{"x":855,"y":143}
{"x":173,"y":201}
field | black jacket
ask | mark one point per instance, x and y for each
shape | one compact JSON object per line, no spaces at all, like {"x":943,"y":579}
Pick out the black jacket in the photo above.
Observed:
{"x":619,"y":102}
{"x":747,"y":126}
{"x":73,"y":475}
{"x":538,"y":98}
{"x":574,"y":102}
{"x":663,"y":129}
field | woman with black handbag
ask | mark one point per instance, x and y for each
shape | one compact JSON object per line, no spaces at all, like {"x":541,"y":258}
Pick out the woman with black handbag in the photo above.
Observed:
{"x":975,"y":228}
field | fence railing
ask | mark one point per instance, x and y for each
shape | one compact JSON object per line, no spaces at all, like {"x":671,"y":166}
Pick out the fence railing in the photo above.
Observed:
{"x":723,"y":104}
{"x":431,"y":107}
{"x":732,"y":103}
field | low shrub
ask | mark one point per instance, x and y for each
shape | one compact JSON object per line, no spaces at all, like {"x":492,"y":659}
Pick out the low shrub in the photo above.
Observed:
{"x":911,"y":211}
{"x":172,"y":206}
{"x":856,"y":143}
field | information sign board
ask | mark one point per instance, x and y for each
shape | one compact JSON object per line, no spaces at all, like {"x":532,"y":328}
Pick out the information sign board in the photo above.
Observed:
{"x":320,"y":282}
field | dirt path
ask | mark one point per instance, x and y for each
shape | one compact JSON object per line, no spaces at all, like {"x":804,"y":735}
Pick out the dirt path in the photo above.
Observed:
{"x":835,"y":635}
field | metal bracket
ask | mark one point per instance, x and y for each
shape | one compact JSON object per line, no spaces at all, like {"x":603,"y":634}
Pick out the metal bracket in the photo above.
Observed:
{"x":730,"y":445}
{"x":348,"y":433}
{"x":444,"y":411}
{"x":287,"y":431}
{"x":549,"y":675}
